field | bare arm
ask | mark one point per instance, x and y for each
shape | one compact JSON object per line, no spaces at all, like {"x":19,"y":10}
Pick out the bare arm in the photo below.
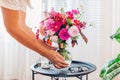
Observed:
{"x":16,"y":27}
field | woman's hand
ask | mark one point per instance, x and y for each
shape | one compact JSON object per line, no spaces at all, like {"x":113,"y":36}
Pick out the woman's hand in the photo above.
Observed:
{"x":47,"y":46}
{"x":50,"y":47}
{"x":57,"y":60}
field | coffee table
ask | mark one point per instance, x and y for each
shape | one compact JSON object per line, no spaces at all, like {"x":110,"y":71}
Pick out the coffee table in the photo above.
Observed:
{"x":76,"y":69}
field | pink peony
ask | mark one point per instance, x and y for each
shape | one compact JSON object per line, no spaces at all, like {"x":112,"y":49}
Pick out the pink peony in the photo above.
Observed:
{"x":63,"y":34}
{"x":73,"y":31}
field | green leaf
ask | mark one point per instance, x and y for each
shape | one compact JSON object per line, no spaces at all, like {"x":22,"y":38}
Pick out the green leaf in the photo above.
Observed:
{"x":113,"y":67}
{"x":76,"y":37}
{"x":66,"y":54}
{"x":109,"y":68}
{"x":59,"y":41}
{"x":118,"y":31}
{"x":69,"y":21}
{"x":116,"y":36}
{"x":112,"y":75}
{"x":102,"y":73}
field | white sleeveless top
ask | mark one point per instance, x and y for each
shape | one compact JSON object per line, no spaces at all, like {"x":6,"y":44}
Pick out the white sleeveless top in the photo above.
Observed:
{"x":14,"y":4}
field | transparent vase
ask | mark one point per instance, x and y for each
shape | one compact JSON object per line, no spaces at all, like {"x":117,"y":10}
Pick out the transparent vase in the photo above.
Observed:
{"x":43,"y":62}
{"x":65,"y":53}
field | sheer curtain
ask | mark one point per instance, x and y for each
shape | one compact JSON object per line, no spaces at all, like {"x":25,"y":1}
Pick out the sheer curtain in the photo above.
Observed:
{"x":104,"y":15}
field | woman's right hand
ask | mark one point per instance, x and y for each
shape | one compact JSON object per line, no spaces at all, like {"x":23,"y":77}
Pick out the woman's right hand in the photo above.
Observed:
{"x":50,"y":47}
{"x":57,"y":60}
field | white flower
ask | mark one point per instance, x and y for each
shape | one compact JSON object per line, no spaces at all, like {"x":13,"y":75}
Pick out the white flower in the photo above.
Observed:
{"x":73,"y":31}
{"x":54,"y":38}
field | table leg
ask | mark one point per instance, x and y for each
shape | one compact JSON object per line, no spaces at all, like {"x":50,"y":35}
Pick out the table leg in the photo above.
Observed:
{"x":87,"y":77}
{"x":64,"y":78}
{"x":33,"y":75}
{"x":54,"y":78}
{"x":79,"y":77}
{"x":57,"y":78}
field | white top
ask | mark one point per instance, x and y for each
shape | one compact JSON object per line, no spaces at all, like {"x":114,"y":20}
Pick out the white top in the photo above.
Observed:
{"x":14,"y":4}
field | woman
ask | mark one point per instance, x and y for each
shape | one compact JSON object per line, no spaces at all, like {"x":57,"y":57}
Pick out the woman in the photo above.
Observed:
{"x":14,"y":13}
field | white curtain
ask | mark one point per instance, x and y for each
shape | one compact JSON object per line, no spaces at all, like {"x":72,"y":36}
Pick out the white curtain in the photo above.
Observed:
{"x":15,"y":59}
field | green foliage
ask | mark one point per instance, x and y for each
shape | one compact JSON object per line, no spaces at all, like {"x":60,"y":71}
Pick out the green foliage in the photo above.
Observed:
{"x":112,"y":68}
{"x":65,"y":54}
{"x":111,"y":75}
{"x":69,"y":21}
{"x":59,"y":41}
{"x":75,"y":38}
{"x":116,"y":36}
{"x":109,"y":68}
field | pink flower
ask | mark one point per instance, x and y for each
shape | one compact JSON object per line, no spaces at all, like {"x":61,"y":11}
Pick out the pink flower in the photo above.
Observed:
{"x":49,"y":23}
{"x":53,"y":13}
{"x":75,"y":11}
{"x":81,"y":25}
{"x":77,"y":22}
{"x":73,"y":31}
{"x":63,"y":34}
{"x":42,"y":22}
{"x":60,"y":26}
{"x":57,"y":26}
{"x":70,"y":15}
{"x":54,"y":38}
{"x":37,"y":34}
{"x":50,"y":32}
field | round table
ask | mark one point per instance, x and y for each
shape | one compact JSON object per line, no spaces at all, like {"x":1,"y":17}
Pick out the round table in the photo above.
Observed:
{"x":76,"y":69}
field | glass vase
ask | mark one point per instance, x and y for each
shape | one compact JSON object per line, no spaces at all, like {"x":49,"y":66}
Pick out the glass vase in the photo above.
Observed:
{"x":65,"y":53}
{"x":43,"y":62}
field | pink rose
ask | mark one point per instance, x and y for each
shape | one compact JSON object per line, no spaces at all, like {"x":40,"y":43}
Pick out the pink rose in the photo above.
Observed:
{"x":73,"y":31}
{"x":54,"y":38}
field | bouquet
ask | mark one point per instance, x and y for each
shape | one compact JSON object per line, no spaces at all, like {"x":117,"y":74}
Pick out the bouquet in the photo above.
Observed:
{"x":59,"y":27}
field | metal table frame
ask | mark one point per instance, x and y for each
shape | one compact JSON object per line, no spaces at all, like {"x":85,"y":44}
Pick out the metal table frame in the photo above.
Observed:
{"x":54,"y":76}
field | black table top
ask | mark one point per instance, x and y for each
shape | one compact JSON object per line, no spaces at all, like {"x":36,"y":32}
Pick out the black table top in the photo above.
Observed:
{"x":77,"y":68}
